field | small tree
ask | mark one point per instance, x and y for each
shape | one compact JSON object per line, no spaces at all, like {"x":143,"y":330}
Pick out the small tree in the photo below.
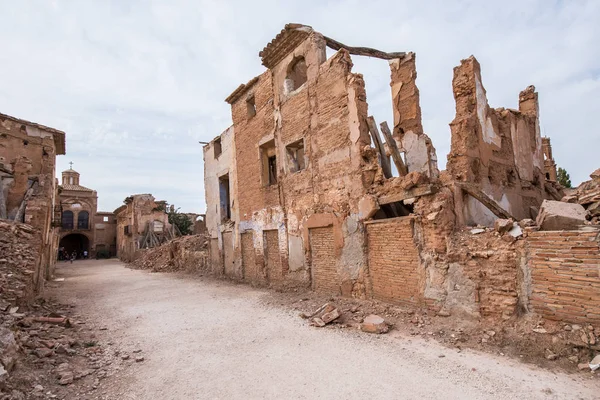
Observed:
{"x":181,"y":221}
{"x":564,"y":178}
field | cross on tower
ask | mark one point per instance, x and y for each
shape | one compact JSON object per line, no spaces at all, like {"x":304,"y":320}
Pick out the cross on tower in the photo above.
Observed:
{"x":71,"y":164}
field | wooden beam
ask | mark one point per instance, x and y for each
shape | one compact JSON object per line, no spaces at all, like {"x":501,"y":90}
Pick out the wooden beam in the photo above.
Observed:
{"x":385,"y":164}
{"x":396,"y":156}
{"x":477,"y":193}
{"x":363,"y":51}
{"x":407,"y":194}
{"x":21,"y":210}
{"x":550,"y":189}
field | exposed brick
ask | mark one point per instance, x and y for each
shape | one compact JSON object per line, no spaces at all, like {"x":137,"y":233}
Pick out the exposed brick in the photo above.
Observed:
{"x":566,"y":282}
{"x":272,"y":257}
{"x":323,"y":260}
{"x":393,"y":261}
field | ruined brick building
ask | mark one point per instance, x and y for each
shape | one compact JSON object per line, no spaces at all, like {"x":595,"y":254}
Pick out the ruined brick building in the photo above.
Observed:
{"x":28,"y":188}
{"x":83,"y":227}
{"x":142,"y":222}
{"x":300,"y":191}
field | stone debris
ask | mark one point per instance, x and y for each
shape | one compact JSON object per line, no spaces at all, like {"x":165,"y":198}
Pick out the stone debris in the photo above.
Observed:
{"x":326,"y":314}
{"x":557,"y":216}
{"x":374,"y":324}
{"x":595,"y":363}
{"x":503,"y":225}
{"x":178,"y":254}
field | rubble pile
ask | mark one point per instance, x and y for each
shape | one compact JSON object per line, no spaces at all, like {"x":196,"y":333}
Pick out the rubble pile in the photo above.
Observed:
{"x":50,"y":352}
{"x":185,"y":253}
{"x":19,"y":250}
{"x":588,"y":195}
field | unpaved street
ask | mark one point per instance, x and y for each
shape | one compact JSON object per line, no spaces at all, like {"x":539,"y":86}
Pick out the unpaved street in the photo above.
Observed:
{"x":205,"y":339}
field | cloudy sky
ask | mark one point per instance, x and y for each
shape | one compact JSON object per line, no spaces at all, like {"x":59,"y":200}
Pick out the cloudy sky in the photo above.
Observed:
{"x":136,"y":84}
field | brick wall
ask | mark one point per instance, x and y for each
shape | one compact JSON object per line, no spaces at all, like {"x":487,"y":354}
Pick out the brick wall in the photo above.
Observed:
{"x":251,"y":270}
{"x":248,"y":132}
{"x":323,"y":260}
{"x":272,"y":258}
{"x":393,"y":261}
{"x":565,"y":278}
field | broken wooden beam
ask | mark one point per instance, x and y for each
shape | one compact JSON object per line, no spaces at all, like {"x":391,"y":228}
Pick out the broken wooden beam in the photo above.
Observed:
{"x":484,"y":199}
{"x":407,"y":194}
{"x":363,"y":51}
{"x":21,"y":210}
{"x":553,"y":192}
{"x":385,"y":163}
{"x":391,"y":142}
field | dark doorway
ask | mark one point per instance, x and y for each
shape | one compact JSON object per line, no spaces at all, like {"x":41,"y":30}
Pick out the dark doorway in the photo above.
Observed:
{"x":75,"y":243}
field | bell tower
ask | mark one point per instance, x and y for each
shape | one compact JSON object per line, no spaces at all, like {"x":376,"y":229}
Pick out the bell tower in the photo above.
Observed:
{"x":70,"y":176}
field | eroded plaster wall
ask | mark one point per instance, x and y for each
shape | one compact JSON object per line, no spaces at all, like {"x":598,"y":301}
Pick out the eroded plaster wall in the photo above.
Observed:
{"x":499,"y":150}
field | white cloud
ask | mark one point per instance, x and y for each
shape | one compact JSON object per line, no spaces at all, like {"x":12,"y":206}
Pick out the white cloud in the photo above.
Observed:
{"x":136,"y":84}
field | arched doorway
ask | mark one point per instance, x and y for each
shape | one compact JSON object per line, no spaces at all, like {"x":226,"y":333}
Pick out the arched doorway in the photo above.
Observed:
{"x":75,"y":242}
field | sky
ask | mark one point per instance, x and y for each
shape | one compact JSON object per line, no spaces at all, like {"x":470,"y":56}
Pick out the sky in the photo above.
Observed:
{"x":137,"y":84}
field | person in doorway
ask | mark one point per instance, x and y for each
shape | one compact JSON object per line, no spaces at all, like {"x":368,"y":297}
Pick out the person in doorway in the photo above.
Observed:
{"x":73,"y":256}
{"x":85,"y":254}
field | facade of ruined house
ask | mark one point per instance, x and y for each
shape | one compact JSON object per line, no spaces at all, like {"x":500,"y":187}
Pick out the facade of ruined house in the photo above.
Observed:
{"x":83,"y":227}
{"x":28,"y":189}
{"x":140,"y":220}
{"x":105,"y":234}
{"x":300,"y":190}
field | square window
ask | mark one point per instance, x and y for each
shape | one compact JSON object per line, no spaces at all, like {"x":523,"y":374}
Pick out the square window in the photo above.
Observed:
{"x":217,"y":147}
{"x":269,"y":163}
{"x":105,"y":219}
{"x":296,"y":160}
{"x":251,"y":106}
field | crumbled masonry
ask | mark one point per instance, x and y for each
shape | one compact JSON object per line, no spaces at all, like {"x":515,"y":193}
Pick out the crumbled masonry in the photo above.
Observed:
{"x":302,"y":192}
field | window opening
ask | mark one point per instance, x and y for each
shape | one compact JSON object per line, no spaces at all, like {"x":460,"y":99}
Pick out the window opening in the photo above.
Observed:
{"x":295,"y":156}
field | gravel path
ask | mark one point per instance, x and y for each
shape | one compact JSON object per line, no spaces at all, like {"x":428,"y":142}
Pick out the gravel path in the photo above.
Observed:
{"x":204,"y":339}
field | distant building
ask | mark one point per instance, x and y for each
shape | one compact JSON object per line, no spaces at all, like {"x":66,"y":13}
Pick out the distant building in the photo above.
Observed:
{"x":83,"y":228}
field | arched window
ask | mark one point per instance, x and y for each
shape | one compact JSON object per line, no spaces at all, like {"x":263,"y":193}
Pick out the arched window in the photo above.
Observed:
{"x":82,"y":220}
{"x":67,"y":219}
{"x":296,"y":74}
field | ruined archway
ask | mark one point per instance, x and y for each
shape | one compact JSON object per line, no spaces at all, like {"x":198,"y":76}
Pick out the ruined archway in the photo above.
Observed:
{"x":75,"y":242}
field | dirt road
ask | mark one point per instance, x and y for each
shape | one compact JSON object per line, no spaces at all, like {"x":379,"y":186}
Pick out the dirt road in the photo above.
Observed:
{"x":204,"y":339}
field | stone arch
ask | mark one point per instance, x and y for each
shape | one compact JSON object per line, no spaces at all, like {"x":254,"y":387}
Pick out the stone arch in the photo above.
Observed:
{"x":75,"y":243}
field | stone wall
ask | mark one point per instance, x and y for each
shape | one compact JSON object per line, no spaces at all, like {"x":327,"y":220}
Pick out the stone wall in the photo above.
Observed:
{"x":20,"y":253}
{"x":565,"y":275}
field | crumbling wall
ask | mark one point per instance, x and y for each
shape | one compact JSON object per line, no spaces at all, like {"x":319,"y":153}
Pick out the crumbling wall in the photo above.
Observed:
{"x":499,"y":150}
{"x":20,"y":253}
{"x":324,"y":116}
{"x":133,"y":218}
{"x":408,"y":130}
{"x":565,"y":280}
{"x":27,"y":164}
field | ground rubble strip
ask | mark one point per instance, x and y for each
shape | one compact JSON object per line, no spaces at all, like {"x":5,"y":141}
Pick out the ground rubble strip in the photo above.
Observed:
{"x":47,"y":350}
